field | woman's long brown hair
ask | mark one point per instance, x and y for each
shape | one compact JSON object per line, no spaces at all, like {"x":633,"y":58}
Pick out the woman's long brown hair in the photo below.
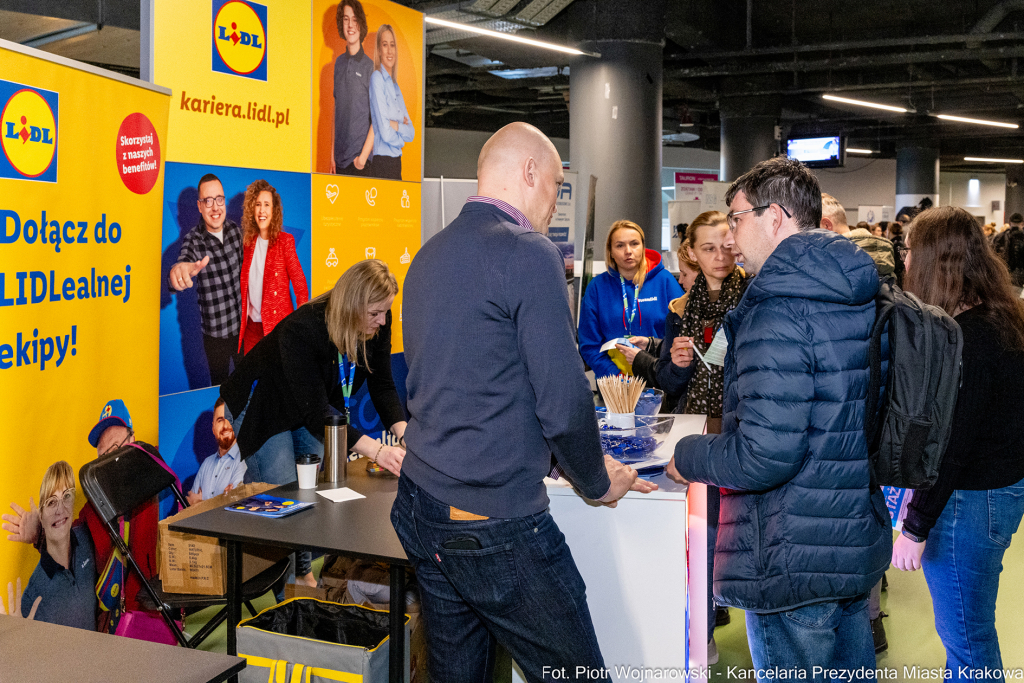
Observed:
{"x":953,"y":266}
{"x":250,"y":230}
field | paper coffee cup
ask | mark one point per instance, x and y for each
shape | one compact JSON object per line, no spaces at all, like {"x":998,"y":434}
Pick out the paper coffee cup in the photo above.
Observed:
{"x":307,"y":467}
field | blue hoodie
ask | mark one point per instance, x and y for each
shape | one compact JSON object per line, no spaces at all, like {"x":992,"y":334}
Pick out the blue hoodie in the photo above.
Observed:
{"x":602,"y":317}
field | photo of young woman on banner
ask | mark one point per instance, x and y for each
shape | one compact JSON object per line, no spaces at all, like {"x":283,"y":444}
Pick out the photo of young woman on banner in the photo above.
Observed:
{"x":368,"y":112}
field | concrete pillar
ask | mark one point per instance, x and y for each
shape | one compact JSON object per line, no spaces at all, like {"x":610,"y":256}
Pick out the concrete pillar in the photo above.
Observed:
{"x":745,"y":142}
{"x":615,"y":135}
{"x":1014,"y":191}
{"x":917,"y":175}
{"x":748,"y":124}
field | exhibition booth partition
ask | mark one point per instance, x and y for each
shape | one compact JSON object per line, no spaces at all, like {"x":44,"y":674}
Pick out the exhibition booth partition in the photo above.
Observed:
{"x":100,"y":198}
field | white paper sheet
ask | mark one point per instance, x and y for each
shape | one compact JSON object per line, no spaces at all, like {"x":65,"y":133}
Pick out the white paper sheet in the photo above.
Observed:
{"x":716,"y":352}
{"x":341,"y":495}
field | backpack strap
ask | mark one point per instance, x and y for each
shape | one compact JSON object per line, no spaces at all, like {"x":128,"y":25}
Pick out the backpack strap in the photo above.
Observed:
{"x":884,"y":307}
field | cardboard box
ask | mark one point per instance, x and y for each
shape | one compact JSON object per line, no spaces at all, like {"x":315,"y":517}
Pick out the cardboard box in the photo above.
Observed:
{"x":190,"y":563}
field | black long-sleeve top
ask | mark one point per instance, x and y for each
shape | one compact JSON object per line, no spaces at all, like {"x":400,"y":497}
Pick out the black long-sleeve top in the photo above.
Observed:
{"x":986,"y":445}
{"x":293,"y":376}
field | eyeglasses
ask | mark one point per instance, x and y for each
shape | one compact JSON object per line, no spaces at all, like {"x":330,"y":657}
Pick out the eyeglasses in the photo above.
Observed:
{"x":114,"y":447}
{"x":67,"y":499}
{"x":208,"y":202}
{"x":731,"y":217}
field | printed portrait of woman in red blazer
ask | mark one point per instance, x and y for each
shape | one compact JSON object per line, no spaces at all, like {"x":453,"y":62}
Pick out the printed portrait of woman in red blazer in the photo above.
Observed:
{"x":269,"y":262}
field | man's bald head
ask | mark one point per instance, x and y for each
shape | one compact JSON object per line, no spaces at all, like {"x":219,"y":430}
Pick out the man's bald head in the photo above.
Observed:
{"x":519,"y":165}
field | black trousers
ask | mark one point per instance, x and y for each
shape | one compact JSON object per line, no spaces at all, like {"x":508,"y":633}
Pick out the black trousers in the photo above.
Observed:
{"x":366,"y":171}
{"x":220,"y":353}
{"x":387,"y":167}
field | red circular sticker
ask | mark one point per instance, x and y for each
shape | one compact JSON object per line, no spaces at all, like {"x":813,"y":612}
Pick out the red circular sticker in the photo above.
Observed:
{"x":138,"y":153}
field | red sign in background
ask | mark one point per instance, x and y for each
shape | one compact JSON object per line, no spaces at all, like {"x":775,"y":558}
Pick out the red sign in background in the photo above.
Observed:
{"x":138,"y":153}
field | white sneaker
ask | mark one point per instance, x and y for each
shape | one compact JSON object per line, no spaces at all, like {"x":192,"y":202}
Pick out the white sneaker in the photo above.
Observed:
{"x":712,"y":652}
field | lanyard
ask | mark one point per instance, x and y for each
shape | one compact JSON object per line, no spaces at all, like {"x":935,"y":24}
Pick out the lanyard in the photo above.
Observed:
{"x":346,"y":382}
{"x":625,"y":304}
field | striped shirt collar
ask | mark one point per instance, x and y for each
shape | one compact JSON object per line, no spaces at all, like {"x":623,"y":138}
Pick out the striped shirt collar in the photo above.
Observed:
{"x":519,"y":217}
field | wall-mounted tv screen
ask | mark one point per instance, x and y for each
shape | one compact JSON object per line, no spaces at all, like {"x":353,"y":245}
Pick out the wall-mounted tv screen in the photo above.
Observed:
{"x":822,"y":152}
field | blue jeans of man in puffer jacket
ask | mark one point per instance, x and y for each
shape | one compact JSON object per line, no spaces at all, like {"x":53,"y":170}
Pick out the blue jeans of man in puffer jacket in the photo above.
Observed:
{"x":820,"y":639}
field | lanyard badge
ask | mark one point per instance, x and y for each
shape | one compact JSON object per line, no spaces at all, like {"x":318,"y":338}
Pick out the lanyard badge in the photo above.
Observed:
{"x":628,"y":322}
{"x":346,"y":377}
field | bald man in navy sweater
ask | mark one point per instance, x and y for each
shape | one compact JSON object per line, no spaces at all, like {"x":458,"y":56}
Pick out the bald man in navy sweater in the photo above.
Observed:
{"x":496,"y":388}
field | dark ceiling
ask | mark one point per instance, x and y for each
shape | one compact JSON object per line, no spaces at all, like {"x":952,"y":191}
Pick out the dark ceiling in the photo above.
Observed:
{"x":936,"y":56}
{"x":959,"y":57}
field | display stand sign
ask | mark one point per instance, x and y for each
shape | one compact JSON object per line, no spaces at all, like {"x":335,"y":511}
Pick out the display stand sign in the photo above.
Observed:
{"x":81,"y":189}
{"x":690,"y":186}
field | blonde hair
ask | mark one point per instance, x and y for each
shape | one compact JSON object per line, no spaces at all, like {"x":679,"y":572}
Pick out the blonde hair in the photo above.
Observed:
{"x":348,"y":302}
{"x":832,"y":209}
{"x":641,"y":272}
{"x":58,"y":477}
{"x":376,"y":51}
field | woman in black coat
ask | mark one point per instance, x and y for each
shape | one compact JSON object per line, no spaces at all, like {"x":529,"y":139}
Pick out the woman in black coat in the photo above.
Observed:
{"x":285,"y":387}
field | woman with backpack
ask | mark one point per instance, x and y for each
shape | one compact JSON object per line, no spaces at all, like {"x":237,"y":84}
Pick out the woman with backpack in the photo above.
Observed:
{"x":959,"y":529}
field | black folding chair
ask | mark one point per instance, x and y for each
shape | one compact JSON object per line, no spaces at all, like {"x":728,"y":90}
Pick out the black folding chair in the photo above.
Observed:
{"x":116,"y":484}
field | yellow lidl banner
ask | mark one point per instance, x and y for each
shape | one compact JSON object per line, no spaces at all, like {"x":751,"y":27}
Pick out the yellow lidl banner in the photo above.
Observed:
{"x":239,"y":72}
{"x":361,"y":218}
{"x":81,"y":186}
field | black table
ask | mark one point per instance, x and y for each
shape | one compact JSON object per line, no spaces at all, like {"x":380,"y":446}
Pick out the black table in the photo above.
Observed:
{"x":33,"y":651}
{"x":356,"y":528}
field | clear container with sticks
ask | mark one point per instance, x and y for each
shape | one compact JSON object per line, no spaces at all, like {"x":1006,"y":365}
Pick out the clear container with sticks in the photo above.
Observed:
{"x":627,"y":436}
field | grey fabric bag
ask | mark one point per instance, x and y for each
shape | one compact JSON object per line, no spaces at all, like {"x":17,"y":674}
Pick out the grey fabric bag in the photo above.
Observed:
{"x":305,"y":640}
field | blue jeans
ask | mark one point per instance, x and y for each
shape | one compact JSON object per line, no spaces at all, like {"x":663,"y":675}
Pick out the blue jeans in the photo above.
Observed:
{"x":829,"y":635}
{"x":520,"y":588}
{"x":962,"y":561}
{"x":274,"y":463}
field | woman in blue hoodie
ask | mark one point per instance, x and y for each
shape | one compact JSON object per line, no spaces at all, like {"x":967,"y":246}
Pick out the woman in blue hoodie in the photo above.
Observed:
{"x":629,"y":299}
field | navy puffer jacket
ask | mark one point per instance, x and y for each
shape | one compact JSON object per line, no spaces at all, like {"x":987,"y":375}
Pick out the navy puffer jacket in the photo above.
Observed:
{"x":799,"y":523}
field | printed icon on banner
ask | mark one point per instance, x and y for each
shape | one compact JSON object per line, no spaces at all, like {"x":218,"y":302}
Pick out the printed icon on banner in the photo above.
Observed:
{"x":332,"y":193}
{"x":371,"y":196}
{"x":28,"y":133}
{"x":405,"y":199}
{"x":371,"y":252}
{"x":332,"y":259}
{"x":240,"y":38}
{"x":405,"y":258}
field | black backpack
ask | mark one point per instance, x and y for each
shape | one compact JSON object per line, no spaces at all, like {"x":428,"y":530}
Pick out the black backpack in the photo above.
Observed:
{"x":907,"y":434}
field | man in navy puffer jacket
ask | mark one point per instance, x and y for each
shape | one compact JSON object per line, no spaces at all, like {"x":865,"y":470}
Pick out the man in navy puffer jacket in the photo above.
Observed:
{"x":802,"y":536}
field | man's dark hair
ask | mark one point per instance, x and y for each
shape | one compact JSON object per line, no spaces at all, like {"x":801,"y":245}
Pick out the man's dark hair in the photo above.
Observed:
{"x":208,"y":178}
{"x":1016,"y":218}
{"x":785,"y":182}
{"x":357,"y":10}
{"x":219,"y":403}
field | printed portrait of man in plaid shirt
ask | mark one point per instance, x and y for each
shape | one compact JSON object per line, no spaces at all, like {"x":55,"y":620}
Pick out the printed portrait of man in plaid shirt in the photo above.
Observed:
{"x":211,"y":255}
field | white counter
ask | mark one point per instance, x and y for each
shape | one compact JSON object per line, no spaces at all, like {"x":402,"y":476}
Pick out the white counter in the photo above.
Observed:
{"x":633,"y":559}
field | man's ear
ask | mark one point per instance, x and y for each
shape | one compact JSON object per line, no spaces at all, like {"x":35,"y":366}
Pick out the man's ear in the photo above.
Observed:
{"x":530,"y":172}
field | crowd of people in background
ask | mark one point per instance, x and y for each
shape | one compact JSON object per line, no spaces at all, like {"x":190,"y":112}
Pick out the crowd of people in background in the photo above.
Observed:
{"x":799,"y":537}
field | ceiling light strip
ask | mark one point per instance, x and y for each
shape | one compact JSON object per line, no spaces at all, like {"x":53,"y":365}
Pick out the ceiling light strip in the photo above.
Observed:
{"x":983,"y":122}
{"x":863,"y":103}
{"x":854,"y":150}
{"x":508,"y":36}
{"x":995,"y":161}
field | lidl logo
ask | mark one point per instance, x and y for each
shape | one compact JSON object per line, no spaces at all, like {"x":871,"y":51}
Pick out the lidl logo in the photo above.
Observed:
{"x":28,"y":132}
{"x":240,"y":38}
